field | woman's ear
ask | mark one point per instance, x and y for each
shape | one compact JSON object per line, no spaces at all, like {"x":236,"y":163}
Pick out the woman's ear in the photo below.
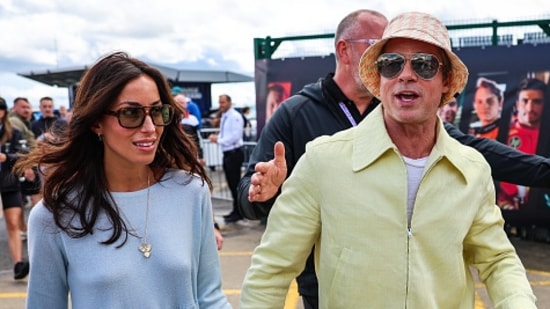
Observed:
{"x":96,"y":128}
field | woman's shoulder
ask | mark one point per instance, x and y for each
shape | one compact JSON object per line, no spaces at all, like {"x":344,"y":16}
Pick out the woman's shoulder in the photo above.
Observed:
{"x":180,"y":185}
{"x":40,"y":215}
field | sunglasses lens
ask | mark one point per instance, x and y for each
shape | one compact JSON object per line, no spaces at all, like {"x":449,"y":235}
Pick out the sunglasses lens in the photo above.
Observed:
{"x":390,"y":65}
{"x":425,"y":66}
{"x":161,"y":115}
{"x":131,"y":117}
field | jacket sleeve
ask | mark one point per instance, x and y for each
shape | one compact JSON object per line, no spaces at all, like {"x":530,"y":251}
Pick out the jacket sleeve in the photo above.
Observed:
{"x":488,"y":249}
{"x":15,"y":146}
{"x":507,"y":164}
{"x":294,"y":228}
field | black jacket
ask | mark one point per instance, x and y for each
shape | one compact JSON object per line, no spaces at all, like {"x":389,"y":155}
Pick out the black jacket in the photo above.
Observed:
{"x":315,"y":111}
{"x":42,"y":125}
{"x":8,"y":181}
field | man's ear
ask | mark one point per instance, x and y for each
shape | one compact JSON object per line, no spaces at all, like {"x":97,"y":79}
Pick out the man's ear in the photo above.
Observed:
{"x":342,"y":51}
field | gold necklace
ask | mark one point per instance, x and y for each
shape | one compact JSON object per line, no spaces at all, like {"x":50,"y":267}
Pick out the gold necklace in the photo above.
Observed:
{"x":144,"y":247}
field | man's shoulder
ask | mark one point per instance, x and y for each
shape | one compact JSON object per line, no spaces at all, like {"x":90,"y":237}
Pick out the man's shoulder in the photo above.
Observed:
{"x":15,"y":119}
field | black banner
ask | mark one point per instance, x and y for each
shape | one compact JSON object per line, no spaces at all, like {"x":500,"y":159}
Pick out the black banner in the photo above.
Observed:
{"x":505,"y":99}
{"x":502,"y":71}
{"x":277,"y":79}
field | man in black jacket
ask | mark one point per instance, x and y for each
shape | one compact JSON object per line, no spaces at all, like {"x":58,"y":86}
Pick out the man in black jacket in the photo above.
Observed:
{"x":338,"y":102}
{"x":48,"y":123}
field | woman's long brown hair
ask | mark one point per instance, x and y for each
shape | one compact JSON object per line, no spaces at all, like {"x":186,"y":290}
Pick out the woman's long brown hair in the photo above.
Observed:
{"x":75,"y":187}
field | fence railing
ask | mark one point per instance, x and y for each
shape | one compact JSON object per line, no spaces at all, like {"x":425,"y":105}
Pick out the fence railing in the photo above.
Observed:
{"x":467,"y":34}
{"x":213,"y":156}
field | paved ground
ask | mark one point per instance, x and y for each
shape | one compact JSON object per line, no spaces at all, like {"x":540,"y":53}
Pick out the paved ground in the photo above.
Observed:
{"x":242,"y":238}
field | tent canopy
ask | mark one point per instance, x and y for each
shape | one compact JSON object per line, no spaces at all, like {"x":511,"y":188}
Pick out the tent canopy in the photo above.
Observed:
{"x":65,"y":77}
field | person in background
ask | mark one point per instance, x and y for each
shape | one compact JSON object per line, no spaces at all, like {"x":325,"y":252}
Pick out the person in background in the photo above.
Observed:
{"x":124,"y":196}
{"x":449,"y":111}
{"x":10,"y":189}
{"x":48,"y":124}
{"x":488,"y":103}
{"x":192,"y":107}
{"x":248,"y":134}
{"x":69,"y":115}
{"x":523,"y":135}
{"x":190,"y":125}
{"x":230,"y":139}
{"x":340,"y":101}
{"x":431,"y":236}
{"x":63,"y":112}
{"x":20,"y":118}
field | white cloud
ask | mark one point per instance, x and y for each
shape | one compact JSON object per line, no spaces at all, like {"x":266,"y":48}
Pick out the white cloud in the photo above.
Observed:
{"x":212,"y":34}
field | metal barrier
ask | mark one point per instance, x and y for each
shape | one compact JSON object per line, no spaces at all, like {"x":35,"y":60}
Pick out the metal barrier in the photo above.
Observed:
{"x":487,"y":40}
{"x":213,"y":157}
{"x":536,"y":38}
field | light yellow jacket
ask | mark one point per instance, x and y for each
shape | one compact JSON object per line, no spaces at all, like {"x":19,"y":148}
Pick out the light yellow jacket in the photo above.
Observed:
{"x":348,"y":196}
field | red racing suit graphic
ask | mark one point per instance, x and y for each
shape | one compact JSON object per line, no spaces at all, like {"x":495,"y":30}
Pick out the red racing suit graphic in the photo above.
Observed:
{"x":512,"y":196}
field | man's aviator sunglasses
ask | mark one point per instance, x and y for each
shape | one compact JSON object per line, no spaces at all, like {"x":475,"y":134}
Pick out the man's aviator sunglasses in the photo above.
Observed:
{"x":426,"y":66}
{"x":134,"y":117}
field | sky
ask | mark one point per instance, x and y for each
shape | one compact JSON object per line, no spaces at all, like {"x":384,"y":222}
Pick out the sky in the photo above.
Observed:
{"x":36,"y":35}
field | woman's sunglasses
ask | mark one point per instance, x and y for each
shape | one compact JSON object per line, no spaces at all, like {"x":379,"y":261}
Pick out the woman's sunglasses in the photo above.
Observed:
{"x":426,"y":66}
{"x":133,"y":117}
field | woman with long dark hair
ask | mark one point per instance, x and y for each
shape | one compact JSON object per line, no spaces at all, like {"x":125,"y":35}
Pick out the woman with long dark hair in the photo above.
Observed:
{"x":126,"y":218}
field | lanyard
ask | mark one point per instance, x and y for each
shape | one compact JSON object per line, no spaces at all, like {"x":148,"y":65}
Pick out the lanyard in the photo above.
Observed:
{"x":346,"y":111}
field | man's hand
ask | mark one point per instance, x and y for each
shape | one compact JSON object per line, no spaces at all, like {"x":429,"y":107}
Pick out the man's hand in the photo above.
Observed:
{"x":213,"y":138}
{"x":269,"y":176}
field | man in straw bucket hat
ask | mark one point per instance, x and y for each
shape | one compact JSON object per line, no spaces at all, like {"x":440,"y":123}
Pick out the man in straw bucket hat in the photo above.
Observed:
{"x":398,"y":211}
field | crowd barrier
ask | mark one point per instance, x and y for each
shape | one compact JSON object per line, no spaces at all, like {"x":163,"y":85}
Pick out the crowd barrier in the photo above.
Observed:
{"x":213,"y":157}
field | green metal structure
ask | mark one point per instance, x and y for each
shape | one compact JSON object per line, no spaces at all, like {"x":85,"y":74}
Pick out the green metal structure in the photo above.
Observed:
{"x":265,"y":48}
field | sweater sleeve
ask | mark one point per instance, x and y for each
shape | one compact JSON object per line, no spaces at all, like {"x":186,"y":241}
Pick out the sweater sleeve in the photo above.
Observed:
{"x":209,"y":281}
{"x":47,"y":286}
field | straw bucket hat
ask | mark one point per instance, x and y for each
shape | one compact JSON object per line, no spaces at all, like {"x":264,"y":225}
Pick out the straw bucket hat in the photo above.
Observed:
{"x":417,"y":26}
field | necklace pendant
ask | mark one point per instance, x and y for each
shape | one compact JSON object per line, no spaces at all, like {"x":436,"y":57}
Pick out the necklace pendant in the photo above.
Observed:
{"x":146,"y":249}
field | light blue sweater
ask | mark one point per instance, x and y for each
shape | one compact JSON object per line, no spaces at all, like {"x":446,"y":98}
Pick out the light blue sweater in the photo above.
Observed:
{"x":183,"y":270}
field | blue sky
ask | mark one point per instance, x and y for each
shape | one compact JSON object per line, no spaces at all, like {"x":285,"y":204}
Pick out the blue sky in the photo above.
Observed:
{"x":209,"y":35}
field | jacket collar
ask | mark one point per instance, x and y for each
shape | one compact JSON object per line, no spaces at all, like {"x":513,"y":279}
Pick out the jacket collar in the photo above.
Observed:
{"x":371,"y":141}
